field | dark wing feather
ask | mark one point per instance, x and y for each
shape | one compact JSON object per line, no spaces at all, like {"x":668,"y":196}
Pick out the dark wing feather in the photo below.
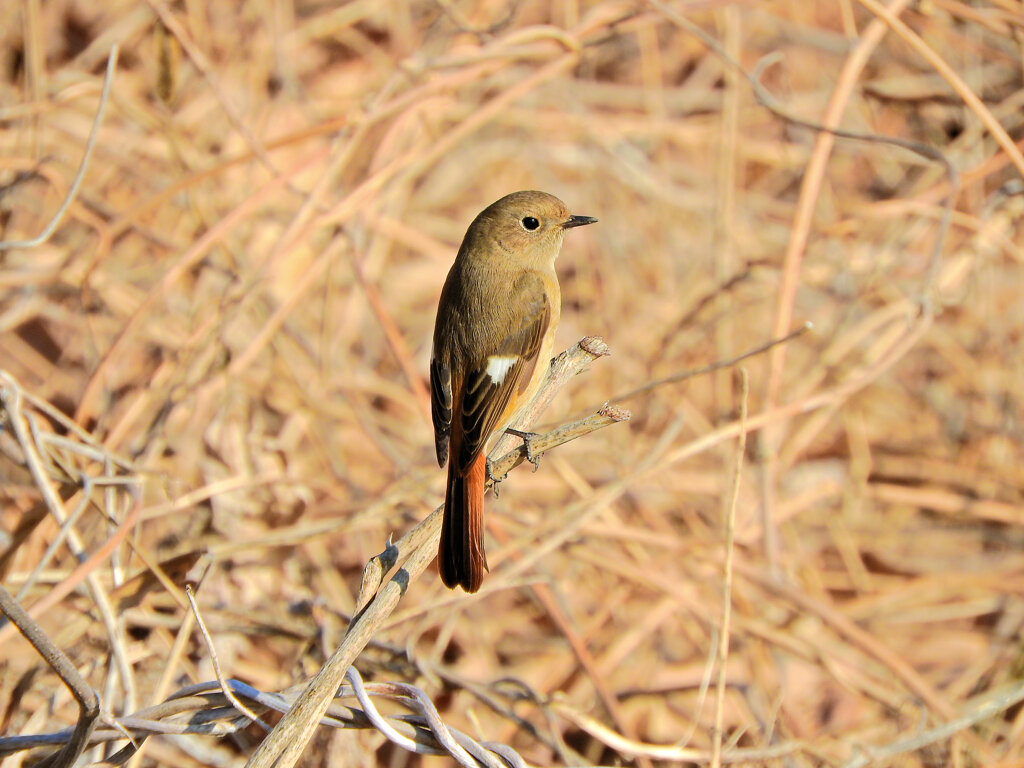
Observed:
{"x":485,"y":402}
{"x":441,"y":408}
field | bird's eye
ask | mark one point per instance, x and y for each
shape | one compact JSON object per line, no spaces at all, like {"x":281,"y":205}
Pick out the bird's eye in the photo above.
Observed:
{"x":530,"y":223}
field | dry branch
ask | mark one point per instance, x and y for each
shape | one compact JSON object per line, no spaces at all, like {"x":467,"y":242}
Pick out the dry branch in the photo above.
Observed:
{"x":415,"y":551}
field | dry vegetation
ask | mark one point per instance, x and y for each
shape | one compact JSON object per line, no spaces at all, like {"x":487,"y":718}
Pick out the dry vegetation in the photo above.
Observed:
{"x":236,"y":311}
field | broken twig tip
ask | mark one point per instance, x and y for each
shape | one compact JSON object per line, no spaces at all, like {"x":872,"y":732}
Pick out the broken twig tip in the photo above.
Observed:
{"x":615,"y":412}
{"x":595,"y":345}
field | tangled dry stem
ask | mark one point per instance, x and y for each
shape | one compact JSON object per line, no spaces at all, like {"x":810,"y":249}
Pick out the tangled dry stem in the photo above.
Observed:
{"x":216,"y":353}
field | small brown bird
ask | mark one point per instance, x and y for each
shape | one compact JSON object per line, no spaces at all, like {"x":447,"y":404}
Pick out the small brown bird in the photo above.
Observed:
{"x":492,"y":342}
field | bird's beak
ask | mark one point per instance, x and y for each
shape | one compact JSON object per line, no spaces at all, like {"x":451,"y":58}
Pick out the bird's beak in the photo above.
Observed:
{"x":577,"y":221}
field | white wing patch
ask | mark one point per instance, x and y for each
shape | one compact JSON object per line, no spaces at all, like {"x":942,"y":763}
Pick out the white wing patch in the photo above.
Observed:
{"x":498,"y":367}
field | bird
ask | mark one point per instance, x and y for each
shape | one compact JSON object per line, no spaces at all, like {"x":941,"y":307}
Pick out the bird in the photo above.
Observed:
{"x":493,"y":339}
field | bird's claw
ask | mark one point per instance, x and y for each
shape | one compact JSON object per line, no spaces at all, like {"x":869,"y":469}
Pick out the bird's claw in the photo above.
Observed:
{"x":527,"y":438}
{"x":494,"y":480}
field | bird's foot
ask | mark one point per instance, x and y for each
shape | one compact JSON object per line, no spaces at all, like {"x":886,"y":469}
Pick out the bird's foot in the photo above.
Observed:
{"x":527,"y":438}
{"x":494,"y":480}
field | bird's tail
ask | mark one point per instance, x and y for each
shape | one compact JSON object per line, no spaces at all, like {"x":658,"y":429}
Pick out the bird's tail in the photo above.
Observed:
{"x":460,"y":557}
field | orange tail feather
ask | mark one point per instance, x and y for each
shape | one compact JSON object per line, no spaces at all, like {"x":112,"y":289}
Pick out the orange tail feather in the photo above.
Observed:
{"x":460,"y":557}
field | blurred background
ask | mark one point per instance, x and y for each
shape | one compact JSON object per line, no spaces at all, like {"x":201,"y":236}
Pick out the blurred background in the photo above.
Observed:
{"x":237,"y":311}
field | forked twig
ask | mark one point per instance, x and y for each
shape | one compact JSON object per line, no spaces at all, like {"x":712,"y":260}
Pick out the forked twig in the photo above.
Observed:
{"x":418,"y":548}
{"x":87,"y":698}
{"x":570,"y":363}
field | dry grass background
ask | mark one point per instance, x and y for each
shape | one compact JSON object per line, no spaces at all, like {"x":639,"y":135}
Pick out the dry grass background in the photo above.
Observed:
{"x":237,"y":310}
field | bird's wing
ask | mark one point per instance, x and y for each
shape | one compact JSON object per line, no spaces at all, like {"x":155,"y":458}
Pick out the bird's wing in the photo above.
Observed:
{"x":489,"y":388}
{"x":441,"y":407}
